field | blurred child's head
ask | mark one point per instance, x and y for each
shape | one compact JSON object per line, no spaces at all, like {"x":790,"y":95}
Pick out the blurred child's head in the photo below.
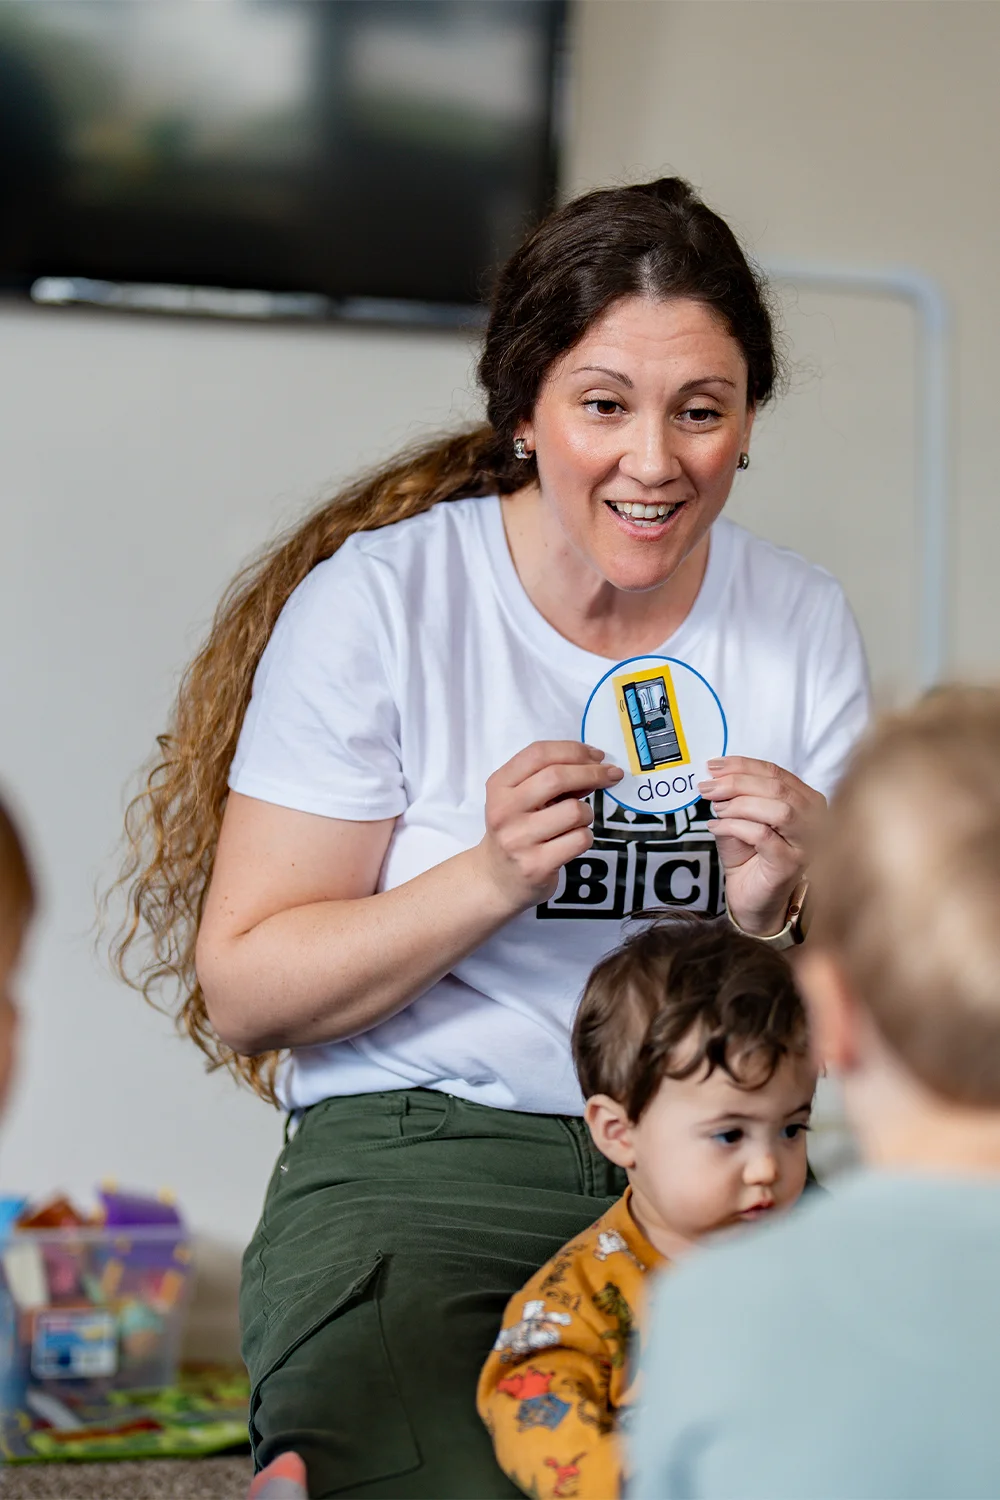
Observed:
{"x":17,"y":900}
{"x":902,"y":966}
{"x":691,"y":1049}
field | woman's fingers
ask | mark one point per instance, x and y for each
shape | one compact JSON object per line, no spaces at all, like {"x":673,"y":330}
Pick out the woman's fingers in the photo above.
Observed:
{"x":737,"y":776}
{"x":738,"y":765}
{"x":545,"y":772}
{"x":570,"y":846}
{"x":542,"y":753}
{"x":555,"y":782}
{"x":540,"y":828}
{"x":726,"y":788}
{"x":551,"y":787}
{"x":759,"y":837}
{"x":757,"y":795}
{"x":779,"y":815}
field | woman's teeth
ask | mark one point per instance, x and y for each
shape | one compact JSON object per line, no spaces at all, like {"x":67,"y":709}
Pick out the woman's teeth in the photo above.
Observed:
{"x":642,"y":514}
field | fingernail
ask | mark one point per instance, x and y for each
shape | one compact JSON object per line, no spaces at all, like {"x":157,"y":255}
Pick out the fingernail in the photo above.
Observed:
{"x":714,"y":810}
{"x":616,"y":773}
{"x":706,"y":786}
{"x":597,"y":754}
{"x":715,"y":765}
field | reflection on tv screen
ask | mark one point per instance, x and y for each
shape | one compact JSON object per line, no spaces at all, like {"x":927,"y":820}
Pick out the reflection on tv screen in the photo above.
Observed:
{"x":355,"y":148}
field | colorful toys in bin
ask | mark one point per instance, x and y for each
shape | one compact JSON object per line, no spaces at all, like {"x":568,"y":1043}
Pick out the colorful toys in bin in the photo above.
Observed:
{"x":96,"y":1299}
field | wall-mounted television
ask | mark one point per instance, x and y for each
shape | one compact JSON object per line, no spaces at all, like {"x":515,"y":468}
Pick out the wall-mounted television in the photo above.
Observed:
{"x":352,"y":157}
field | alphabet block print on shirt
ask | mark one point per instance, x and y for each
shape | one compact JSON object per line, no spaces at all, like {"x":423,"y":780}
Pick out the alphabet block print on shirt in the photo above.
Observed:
{"x":638,"y":862}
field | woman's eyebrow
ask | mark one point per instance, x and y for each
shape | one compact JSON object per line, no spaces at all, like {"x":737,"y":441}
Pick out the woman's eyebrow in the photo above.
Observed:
{"x":692,"y":385}
{"x":623,"y":379}
{"x":603,"y":370}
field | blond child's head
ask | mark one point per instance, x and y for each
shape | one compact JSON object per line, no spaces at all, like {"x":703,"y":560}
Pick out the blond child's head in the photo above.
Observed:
{"x":17,"y":900}
{"x":902,"y":967}
{"x":691,"y":1049}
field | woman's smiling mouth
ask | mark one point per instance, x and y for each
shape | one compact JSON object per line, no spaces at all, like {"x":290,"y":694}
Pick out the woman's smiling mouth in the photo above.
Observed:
{"x":645,"y":517}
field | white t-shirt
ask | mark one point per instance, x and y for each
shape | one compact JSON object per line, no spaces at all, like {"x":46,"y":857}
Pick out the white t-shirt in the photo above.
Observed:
{"x":409,"y":666}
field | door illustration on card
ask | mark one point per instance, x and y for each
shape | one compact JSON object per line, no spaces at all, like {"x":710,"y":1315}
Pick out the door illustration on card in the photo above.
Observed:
{"x":651,"y":722}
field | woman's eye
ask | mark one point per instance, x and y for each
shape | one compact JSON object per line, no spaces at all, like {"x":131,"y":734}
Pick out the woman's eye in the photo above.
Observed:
{"x":700,"y":415}
{"x":729,"y":1137}
{"x":604,"y":406}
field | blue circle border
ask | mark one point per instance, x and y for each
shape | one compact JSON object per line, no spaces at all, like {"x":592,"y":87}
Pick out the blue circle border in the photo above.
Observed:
{"x":676,"y":661}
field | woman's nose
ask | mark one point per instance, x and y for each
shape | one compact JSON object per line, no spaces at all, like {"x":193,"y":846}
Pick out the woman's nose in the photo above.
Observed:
{"x":649,"y":458}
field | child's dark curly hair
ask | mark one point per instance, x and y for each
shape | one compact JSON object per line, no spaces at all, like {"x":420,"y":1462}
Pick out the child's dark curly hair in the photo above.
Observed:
{"x":682,"y":979}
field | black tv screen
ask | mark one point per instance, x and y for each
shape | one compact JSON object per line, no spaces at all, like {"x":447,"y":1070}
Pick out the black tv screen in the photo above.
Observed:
{"x":368,"y":151}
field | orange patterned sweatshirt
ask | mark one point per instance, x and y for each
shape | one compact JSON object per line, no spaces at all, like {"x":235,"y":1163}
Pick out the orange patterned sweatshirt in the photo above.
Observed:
{"x":555,"y":1390}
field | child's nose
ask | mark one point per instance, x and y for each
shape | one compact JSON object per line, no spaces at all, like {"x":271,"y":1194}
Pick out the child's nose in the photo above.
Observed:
{"x":761,"y":1170}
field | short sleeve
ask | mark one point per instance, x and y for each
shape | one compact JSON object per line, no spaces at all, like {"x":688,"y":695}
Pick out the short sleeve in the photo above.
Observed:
{"x":321,"y":733}
{"x":837,"y":693}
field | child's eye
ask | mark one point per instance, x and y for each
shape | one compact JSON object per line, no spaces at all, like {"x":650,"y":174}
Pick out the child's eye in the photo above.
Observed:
{"x":791,"y":1131}
{"x":729,"y":1137}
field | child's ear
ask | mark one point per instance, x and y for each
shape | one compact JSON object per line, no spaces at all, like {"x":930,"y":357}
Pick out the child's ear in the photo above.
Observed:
{"x":610,"y":1129}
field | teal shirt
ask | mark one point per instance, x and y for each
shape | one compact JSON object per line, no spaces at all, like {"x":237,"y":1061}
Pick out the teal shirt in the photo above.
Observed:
{"x":850,"y":1351}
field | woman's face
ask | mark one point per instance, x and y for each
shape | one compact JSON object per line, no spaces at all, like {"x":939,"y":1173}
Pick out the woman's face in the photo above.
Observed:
{"x":637,"y":432}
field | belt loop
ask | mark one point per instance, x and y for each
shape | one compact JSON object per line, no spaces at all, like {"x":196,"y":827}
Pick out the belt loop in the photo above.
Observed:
{"x":577,"y":1130}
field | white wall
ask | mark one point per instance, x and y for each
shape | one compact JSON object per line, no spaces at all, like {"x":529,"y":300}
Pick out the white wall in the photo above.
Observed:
{"x":141,"y":460}
{"x":864,"y":134}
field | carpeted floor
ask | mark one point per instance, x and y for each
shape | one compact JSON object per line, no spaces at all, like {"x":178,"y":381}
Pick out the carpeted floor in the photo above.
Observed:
{"x":153,"y":1479}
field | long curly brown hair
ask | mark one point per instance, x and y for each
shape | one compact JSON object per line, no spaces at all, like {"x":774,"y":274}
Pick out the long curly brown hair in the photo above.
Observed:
{"x":656,"y":239}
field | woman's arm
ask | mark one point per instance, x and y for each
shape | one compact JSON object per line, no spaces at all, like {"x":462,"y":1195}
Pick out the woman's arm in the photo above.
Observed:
{"x":295,"y":947}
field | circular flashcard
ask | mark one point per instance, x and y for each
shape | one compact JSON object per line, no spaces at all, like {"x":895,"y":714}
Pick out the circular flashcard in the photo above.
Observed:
{"x":661,"y":722}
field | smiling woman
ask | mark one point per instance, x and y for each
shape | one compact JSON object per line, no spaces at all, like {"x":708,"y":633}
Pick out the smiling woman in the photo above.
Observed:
{"x":639,"y":429}
{"x":381,"y":864}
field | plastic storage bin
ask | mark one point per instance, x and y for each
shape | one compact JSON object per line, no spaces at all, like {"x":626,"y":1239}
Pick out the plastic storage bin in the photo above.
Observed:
{"x":85,"y":1311}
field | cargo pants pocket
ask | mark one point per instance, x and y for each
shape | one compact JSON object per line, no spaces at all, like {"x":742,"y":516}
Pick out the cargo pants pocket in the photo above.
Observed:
{"x":322,"y":1383}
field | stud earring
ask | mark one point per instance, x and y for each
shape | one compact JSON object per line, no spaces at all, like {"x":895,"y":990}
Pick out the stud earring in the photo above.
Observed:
{"x":744,"y":462}
{"x":521,"y":448}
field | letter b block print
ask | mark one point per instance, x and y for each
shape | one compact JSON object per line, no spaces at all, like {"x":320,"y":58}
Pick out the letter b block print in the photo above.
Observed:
{"x":593,"y":885}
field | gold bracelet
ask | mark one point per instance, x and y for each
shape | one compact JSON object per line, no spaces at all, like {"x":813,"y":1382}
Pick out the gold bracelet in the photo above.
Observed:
{"x":793,"y":931}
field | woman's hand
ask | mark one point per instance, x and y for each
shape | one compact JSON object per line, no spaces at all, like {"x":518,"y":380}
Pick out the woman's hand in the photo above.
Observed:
{"x":536,"y":819}
{"x":763,"y":817}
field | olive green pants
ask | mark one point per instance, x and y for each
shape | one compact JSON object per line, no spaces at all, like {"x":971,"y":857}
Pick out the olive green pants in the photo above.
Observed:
{"x":396,"y":1227}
